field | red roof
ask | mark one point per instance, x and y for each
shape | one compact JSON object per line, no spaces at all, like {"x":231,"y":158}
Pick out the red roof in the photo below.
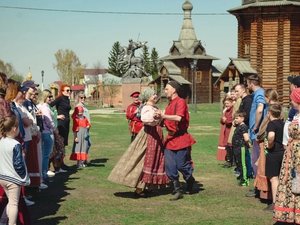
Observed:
{"x":79,"y":87}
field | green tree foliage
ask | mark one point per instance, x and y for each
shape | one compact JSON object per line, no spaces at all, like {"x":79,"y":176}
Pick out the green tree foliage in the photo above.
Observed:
{"x":9,"y":70}
{"x":68,"y":66}
{"x":146,"y":58}
{"x":155,"y":63}
{"x":116,"y":65}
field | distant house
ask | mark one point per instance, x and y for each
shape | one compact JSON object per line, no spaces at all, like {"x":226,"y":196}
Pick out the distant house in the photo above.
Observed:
{"x":103,"y":87}
{"x":91,"y":80}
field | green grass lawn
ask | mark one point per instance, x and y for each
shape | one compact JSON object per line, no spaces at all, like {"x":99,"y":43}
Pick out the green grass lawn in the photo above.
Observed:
{"x":87,"y":197}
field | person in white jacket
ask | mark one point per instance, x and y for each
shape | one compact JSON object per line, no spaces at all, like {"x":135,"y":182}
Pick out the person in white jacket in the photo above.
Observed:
{"x":13,"y":171}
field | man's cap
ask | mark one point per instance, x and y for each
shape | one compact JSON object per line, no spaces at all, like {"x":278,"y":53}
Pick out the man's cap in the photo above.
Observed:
{"x":295,"y":80}
{"x":23,"y":88}
{"x":30,"y":84}
{"x":135,"y":94}
{"x":174,"y":84}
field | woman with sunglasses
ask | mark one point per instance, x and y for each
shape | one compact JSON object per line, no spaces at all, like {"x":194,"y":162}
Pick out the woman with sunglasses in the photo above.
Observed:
{"x":63,"y":107}
{"x":47,"y":132}
{"x":80,"y":100}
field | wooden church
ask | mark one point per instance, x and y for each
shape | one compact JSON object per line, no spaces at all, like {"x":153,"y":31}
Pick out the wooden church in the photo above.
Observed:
{"x":268,"y":44}
{"x":189,"y":65}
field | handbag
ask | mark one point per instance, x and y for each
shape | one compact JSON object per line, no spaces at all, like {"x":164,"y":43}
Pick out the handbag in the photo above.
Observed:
{"x":295,"y":182}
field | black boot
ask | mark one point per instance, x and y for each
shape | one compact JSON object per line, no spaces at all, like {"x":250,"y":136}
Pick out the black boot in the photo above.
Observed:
{"x":189,"y":185}
{"x":178,"y":192}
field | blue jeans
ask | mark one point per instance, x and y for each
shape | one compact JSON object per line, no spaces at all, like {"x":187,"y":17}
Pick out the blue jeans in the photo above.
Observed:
{"x":178,"y":161}
{"x":47,"y":146}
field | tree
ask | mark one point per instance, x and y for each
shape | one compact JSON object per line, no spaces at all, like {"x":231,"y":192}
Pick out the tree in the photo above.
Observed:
{"x":116,"y":65}
{"x":146,"y":58}
{"x":155,"y":63}
{"x":68,"y":66}
{"x":9,"y":70}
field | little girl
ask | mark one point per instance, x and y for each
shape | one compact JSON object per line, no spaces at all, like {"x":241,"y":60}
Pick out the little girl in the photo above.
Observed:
{"x":13,"y":171}
{"x":81,"y":137}
{"x":226,"y":123}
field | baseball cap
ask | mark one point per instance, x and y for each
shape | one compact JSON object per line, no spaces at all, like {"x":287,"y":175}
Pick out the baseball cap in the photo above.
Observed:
{"x":30,"y":84}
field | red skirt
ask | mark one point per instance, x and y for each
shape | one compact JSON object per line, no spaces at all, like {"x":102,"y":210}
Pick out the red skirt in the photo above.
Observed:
{"x":221,"y":153}
{"x":154,"y":163}
{"x":32,"y":163}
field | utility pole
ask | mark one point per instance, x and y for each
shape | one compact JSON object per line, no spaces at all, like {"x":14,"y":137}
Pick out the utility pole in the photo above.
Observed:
{"x":42,"y":72}
{"x":193,"y":65}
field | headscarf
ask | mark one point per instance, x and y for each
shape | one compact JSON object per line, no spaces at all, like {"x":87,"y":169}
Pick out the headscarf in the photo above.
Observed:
{"x":295,"y":95}
{"x":146,"y":94}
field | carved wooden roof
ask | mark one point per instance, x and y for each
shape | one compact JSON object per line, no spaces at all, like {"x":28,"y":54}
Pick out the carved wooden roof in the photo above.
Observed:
{"x":264,"y":3}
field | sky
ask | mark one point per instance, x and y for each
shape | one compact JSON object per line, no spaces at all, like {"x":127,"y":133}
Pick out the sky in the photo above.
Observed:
{"x":29,"y":39}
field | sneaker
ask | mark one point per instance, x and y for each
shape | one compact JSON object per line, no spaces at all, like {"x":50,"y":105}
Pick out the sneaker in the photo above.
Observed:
{"x":28,"y":202}
{"x":61,"y":171}
{"x":50,"y":173}
{"x":244,"y":183}
{"x":237,"y":174}
{"x":43,"y":186}
{"x":251,"y":193}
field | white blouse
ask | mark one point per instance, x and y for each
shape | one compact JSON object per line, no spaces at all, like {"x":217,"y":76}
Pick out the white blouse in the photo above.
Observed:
{"x":147,"y":115}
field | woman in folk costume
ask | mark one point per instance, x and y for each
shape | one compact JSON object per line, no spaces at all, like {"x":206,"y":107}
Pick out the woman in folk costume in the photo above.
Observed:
{"x":81,"y":144}
{"x":226,"y":123}
{"x":229,"y":150}
{"x":142,"y":165}
{"x":287,"y":203}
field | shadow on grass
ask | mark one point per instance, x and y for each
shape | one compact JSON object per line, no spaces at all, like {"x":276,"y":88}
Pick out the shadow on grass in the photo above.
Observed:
{"x":47,"y":201}
{"x":146,"y":194}
{"x":197,"y":188}
{"x":98,"y":162}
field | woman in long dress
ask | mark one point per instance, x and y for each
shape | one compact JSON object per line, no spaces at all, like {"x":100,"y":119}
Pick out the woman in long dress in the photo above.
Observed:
{"x":142,"y":165}
{"x":287,"y":204}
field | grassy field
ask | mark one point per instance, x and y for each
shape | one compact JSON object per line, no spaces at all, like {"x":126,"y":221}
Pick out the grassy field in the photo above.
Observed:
{"x":85,"y":197}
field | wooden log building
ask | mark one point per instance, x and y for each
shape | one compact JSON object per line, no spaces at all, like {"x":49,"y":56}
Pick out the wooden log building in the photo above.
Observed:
{"x":269,"y":38}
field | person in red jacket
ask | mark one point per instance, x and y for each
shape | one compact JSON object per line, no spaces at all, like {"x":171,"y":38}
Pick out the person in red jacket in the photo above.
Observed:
{"x":133,"y":115}
{"x":178,"y":141}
